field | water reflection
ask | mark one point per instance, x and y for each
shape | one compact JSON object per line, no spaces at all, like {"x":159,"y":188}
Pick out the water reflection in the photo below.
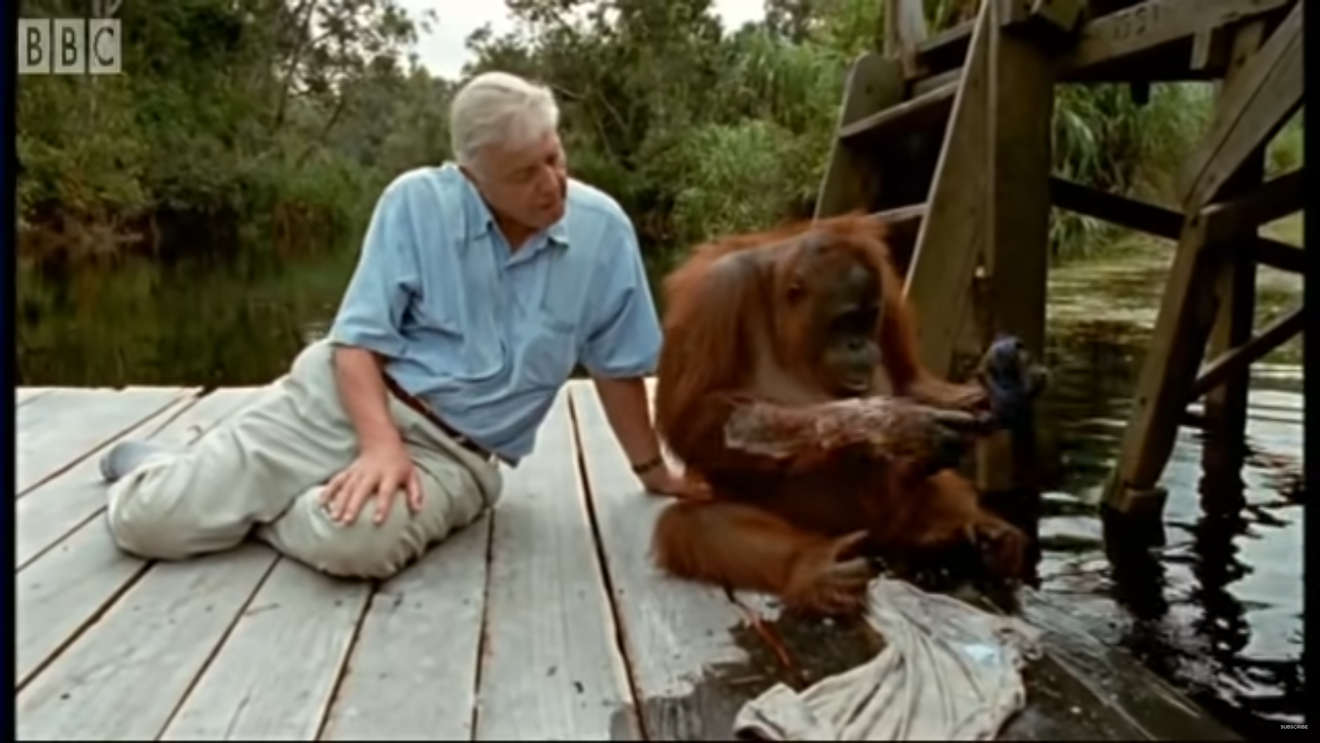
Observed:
{"x":1217,"y":609}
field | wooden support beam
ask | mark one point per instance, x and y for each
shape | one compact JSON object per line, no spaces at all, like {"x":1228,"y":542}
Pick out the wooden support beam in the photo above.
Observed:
{"x":1251,"y":110}
{"x":1240,"y":357}
{"x":949,"y":241}
{"x":1275,"y":199}
{"x":1203,"y":50}
{"x":1187,"y":313}
{"x":874,"y":83}
{"x":912,"y":115}
{"x":1051,"y":23}
{"x":1158,"y":41}
{"x":1011,"y":297}
{"x":1224,"y":445}
{"x":1161,"y":222}
{"x":1226,"y":386}
{"x":1147,"y":26}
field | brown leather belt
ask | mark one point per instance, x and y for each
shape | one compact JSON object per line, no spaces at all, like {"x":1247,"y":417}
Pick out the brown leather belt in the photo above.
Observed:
{"x":425,"y":411}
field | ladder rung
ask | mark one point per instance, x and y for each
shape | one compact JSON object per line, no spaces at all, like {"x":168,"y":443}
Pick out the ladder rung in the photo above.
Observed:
{"x":903,"y":216}
{"x":946,"y":46}
{"x":918,"y":113}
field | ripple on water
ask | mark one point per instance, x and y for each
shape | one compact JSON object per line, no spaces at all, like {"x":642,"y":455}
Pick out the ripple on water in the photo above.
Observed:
{"x":1219,"y":612}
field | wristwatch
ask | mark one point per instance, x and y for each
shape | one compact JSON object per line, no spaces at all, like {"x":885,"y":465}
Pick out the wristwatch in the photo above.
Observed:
{"x":648,"y":465}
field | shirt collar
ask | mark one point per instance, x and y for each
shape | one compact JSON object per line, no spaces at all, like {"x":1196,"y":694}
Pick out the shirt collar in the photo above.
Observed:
{"x":478,"y":220}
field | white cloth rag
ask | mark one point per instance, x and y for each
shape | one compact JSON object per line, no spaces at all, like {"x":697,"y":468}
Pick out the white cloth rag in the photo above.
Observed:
{"x":949,"y":671}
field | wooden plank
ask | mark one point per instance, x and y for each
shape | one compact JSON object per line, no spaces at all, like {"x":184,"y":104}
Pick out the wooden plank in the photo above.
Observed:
{"x":689,"y":672}
{"x":1251,"y":110}
{"x":924,"y":111}
{"x":1147,"y":26}
{"x":122,"y":678}
{"x":1161,"y":222}
{"x":25,"y":395}
{"x":71,"y":424}
{"x":66,"y":587}
{"x":412,"y":672}
{"x":849,"y":182}
{"x":1123,"y":699}
{"x":1175,"y":352}
{"x":305,"y":619}
{"x":928,"y":84}
{"x":1266,"y":202}
{"x":1224,"y":413}
{"x":54,"y":509}
{"x":551,"y":669}
{"x":1016,"y":251}
{"x":949,"y":242}
{"x":28,"y":417}
{"x":63,"y":592}
{"x":1241,"y":356}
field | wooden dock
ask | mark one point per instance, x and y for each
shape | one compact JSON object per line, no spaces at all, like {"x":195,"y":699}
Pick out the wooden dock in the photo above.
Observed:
{"x":544,"y":620}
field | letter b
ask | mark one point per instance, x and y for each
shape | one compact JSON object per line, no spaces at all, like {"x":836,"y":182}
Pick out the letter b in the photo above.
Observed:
{"x":34,"y":47}
{"x":69,"y":46}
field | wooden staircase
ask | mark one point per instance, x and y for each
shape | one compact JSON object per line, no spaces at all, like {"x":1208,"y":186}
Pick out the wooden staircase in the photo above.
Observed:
{"x":947,"y":138}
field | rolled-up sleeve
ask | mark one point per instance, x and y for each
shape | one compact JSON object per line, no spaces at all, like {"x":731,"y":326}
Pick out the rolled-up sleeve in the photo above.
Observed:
{"x":624,"y":341}
{"x":371,"y":313}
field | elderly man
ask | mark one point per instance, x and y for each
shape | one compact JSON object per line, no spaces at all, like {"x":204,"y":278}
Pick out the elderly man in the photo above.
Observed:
{"x":479,"y":287}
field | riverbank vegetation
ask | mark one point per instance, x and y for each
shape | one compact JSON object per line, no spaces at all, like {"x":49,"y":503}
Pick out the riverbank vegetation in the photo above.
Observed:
{"x":281,"y":119}
{"x":212,"y":197}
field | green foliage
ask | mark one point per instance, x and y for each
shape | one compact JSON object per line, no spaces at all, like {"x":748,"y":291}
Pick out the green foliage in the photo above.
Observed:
{"x":1103,"y":138}
{"x":281,"y":120}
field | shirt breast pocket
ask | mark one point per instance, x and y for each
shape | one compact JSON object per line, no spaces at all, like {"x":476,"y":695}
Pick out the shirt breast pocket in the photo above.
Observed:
{"x":472,"y":351}
{"x":551,"y":350}
{"x":558,"y":328}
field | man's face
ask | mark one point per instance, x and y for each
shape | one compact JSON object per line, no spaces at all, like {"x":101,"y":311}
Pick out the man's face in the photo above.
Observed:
{"x":527,"y":185}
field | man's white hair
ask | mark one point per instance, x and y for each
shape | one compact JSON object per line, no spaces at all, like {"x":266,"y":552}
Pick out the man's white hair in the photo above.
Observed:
{"x":499,"y":107}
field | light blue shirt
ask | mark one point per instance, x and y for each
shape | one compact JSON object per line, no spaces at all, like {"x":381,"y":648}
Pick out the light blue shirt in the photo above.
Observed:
{"x":487,"y":336}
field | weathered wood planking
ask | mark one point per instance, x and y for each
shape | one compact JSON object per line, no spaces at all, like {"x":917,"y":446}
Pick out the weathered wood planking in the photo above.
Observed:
{"x":1255,"y":103}
{"x":551,"y":669}
{"x":54,"y":509}
{"x":275,"y":674}
{"x":63,"y":427}
{"x":123,"y":678}
{"x":952,"y":237}
{"x":65,"y":588}
{"x":1145,"y":26}
{"x":688,"y":672}
{"x":1098,"y":692}
{"x":25,"y":395}
{"x":412,"y":671}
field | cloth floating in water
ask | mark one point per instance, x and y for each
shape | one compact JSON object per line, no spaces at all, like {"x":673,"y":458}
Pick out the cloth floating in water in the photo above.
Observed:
{"x":949,"y":671}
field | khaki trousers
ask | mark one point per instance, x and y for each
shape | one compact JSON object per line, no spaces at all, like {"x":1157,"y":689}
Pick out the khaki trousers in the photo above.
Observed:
{"x":262,"y":471}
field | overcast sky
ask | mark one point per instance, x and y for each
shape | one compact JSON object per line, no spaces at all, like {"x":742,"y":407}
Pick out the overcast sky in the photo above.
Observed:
{"x":442,"y":49}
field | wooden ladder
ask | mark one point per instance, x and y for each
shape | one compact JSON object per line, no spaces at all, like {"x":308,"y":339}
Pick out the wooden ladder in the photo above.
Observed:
{"x":947,"y":139}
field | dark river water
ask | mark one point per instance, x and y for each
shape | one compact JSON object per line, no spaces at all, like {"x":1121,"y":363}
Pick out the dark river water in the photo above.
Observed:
{"x":1219,"y":612}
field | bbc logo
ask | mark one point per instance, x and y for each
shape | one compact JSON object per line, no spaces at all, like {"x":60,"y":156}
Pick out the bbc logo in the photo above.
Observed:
{"x":70,"y":46}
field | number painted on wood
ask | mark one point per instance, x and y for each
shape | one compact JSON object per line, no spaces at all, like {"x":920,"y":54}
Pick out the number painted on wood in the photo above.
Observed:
{"x":1135,"y":21}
